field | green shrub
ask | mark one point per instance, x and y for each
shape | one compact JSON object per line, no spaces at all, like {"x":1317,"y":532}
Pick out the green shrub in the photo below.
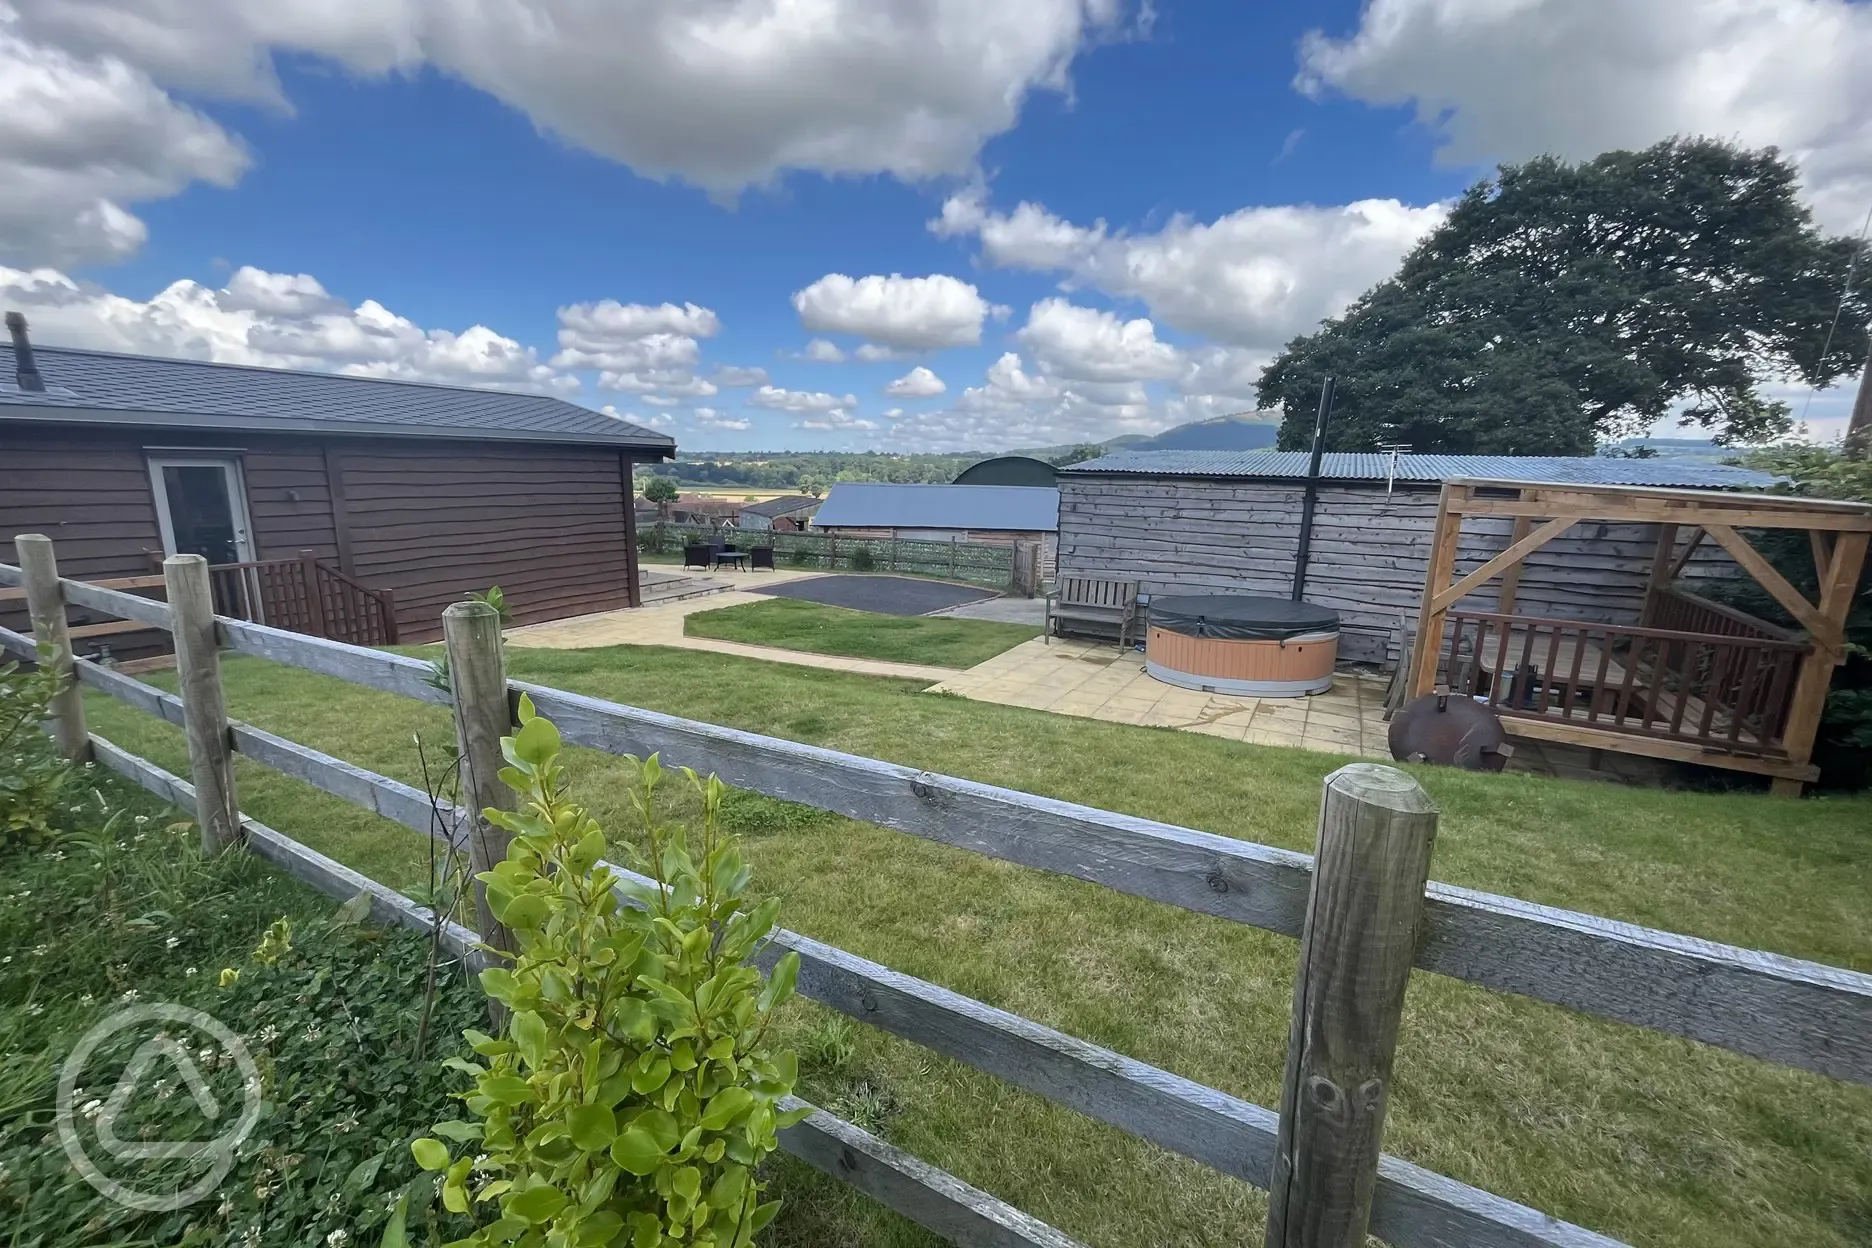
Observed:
{"x":631,"y":1093}
{"x":800,"y":556}
{"x":654,"y":540}
{"x":32,"y":775}
{"x":862,"y":560}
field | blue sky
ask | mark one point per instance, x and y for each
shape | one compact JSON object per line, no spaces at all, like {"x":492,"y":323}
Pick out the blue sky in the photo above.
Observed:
{"x":310,"y":183}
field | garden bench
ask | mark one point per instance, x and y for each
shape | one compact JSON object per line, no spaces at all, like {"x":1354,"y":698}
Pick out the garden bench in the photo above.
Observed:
{"x":1085,"y":600}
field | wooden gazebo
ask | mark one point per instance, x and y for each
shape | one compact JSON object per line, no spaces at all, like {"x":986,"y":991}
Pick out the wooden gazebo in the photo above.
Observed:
{"x":1689,"y":679}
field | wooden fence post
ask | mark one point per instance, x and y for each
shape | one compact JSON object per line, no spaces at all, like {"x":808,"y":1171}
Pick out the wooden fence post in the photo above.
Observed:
{"x":478,"y":680}
{"x":1376,"y":829}
{"x":204,"y":709}
{"x":45,"y":603}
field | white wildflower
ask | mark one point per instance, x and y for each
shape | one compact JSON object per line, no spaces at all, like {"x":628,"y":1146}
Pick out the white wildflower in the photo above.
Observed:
{"x":129,"y":996}
{"x":172,"y":942}
{"x":338,"y":1237}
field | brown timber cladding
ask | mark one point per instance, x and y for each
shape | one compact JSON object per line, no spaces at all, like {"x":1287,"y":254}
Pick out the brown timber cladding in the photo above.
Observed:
{"x":427,"y":520}
{"x":1369,"y":556}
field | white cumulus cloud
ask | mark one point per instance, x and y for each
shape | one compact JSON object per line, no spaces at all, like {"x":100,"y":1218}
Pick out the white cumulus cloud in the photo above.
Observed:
{"x":731,"y":377}
{"x":638,"y":348}
{"x":723,"y":93}
{"x":275,"y":320}
{"x":906,"y":313}
{"x":1089,"y":345}
{"x":823,"y":351}
{"x":712,"y":418}
{"x":81,"y":136}
{"x":1253,"y":278}
{"x":1509,"y":79}
{"x":918,"y":383}
{"x":796,"y":401}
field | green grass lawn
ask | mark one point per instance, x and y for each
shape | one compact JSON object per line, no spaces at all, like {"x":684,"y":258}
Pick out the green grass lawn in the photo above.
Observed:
{"x":792,"y":624}
{"x":1649,"y":1138}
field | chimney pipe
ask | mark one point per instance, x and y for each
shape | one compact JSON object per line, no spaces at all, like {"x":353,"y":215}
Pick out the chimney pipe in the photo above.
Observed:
{"x":26,"y":370}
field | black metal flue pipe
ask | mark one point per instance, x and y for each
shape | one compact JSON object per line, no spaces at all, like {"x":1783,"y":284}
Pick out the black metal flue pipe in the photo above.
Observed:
{"x":1327,"y":390}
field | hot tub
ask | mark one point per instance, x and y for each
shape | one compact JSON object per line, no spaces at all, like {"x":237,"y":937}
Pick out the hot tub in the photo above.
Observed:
{"x":1255,"y":647}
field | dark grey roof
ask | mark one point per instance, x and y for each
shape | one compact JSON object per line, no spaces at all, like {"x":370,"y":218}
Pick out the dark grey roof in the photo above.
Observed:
{"x":102,"y":387}
{"x":783,"y":506}
{"x":877,"y":505}
{"x":1370,"y":466}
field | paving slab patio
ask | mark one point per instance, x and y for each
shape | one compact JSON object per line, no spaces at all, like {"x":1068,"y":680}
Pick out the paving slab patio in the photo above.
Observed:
{"x":1096,"y":680}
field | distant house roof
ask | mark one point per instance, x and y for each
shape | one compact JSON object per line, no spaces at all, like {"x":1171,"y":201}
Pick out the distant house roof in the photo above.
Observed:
{"x":1009,"y":470}
{"x":106,"y":388}
{"x":876,"y":505}
{"x":1367,"y":466}
{"x":775,"y":507}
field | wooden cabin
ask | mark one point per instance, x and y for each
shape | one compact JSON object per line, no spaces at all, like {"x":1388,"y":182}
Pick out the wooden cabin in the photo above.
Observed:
{"x":1229,"y":522}
{"x":351,"y":507}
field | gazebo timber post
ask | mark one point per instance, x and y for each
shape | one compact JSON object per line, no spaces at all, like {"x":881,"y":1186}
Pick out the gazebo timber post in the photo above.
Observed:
{"x":1837,"y":584}
{"x":1443,"y":543}
{"x":1661,"y":560}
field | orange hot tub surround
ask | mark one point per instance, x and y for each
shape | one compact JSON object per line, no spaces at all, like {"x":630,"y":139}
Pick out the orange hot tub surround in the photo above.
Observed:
{"x":1254,"y":647}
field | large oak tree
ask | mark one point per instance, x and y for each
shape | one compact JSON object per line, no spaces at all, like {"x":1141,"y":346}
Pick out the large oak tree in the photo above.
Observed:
{"x":1561,"y":305}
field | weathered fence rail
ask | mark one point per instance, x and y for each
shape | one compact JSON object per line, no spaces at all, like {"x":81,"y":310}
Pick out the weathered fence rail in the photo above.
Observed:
{"x":1799,"y":1013}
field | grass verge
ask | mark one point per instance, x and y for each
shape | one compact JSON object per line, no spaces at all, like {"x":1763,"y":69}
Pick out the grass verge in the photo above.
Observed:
{"x":1645,"y":1137}
{"x":793,"y":624}
{"x":119,"y":911}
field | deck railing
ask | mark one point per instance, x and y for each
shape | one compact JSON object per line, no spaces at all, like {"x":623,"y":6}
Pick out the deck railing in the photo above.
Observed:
{"x":305,"y":595}
{"x":1724,"y":691}
{"x":1686,"y":612}
{"x":1798,"y":1013}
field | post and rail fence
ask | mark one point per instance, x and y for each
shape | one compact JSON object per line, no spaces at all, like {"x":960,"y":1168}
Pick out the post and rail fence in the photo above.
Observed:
{"x":1363,"y":910}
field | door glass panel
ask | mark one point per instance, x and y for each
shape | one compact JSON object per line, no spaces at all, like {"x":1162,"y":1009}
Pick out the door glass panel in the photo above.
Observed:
{"x":200,"y":513}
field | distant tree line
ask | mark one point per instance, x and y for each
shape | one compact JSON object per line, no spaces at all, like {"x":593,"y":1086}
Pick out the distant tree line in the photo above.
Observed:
{"x":803,"y":471}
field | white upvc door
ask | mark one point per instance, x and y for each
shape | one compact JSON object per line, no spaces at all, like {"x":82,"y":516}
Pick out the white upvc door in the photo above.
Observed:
{"x":201,"y":505}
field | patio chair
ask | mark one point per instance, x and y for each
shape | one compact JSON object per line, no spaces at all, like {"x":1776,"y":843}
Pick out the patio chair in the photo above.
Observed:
{"x":697,"y":555}
{"x":761,"y":557}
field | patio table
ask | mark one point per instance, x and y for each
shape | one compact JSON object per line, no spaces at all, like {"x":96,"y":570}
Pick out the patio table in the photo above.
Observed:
{"x":732,"y":558}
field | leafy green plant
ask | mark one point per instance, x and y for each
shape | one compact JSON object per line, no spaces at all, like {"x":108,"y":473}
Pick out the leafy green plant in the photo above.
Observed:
{"x":632,"y":1092}
{"x":32,"y":775}
{"x":800,"y":556}
{"x":655,"y":540}
{"x":862,"y":560}
{"x":494,"y":597}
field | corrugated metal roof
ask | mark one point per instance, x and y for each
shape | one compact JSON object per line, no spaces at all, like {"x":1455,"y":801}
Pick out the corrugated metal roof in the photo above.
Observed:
{"x":878,"y":505}
{"x":101,"y":387}
{"x":784,"y":506}
{"x":1369,"y":466}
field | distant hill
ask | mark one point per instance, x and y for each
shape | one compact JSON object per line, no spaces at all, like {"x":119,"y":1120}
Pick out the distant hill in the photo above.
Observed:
{"x":1243,"y":431}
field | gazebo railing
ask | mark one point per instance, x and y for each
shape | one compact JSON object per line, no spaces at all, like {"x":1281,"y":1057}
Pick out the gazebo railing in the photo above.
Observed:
{"x":1719,"y":691}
